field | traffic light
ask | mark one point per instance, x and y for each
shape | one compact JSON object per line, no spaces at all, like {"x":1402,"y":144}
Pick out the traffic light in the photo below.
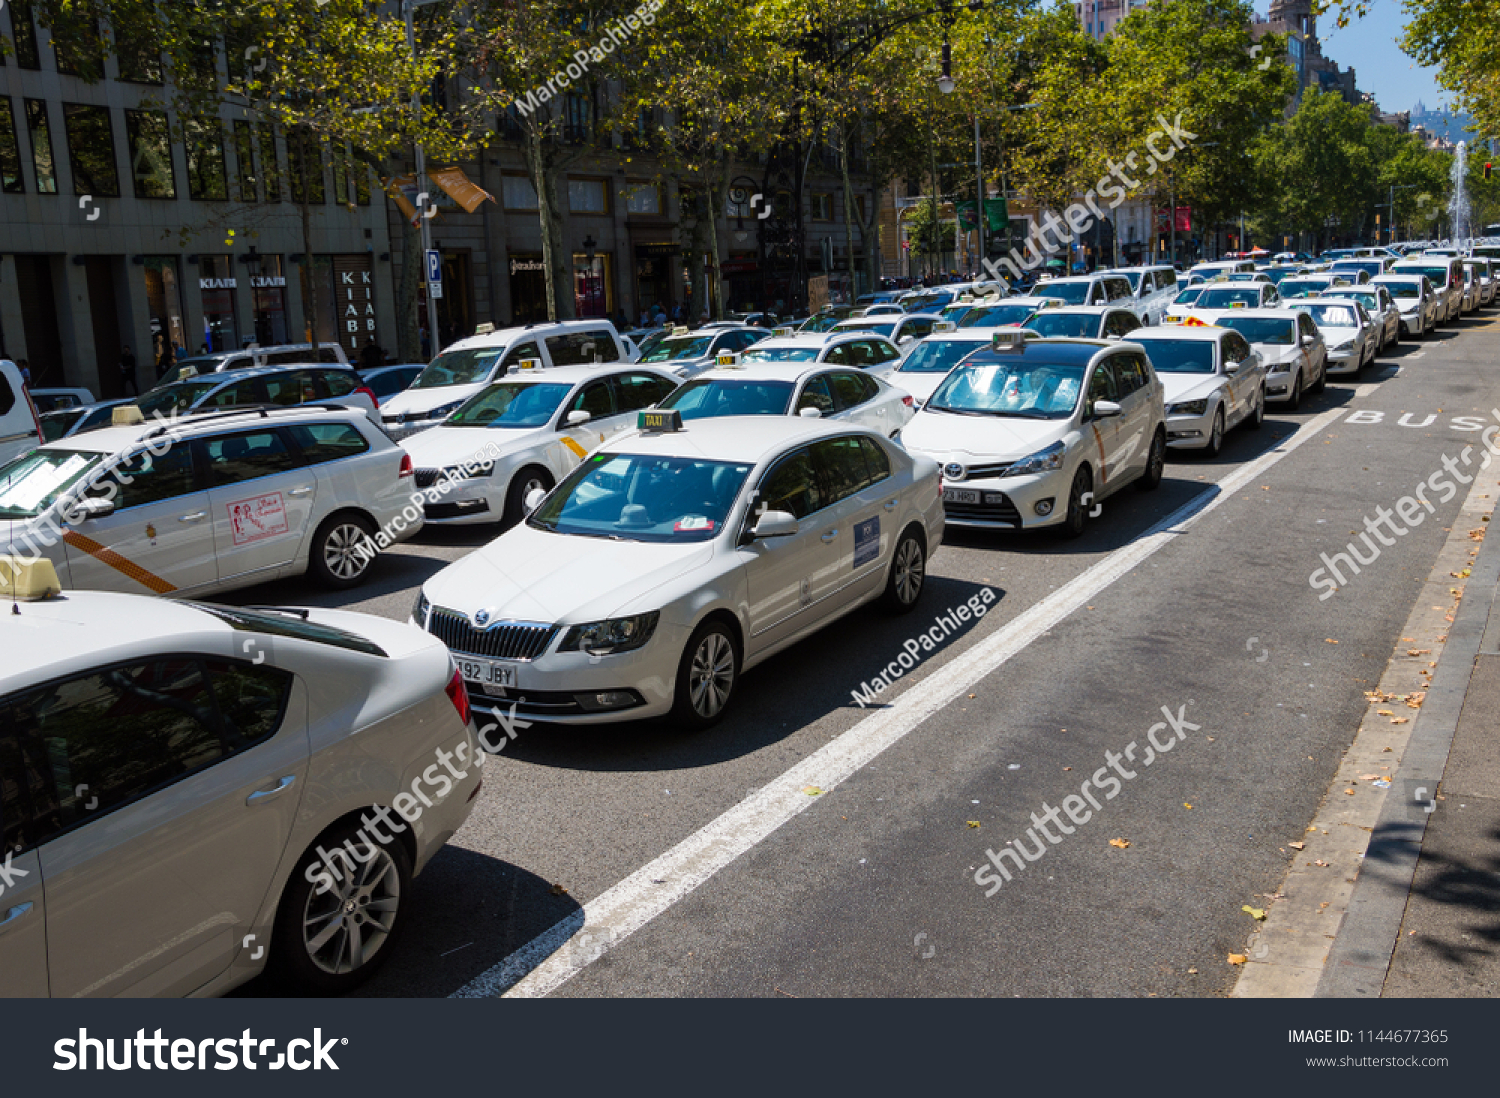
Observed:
{"x":1487,"y":169}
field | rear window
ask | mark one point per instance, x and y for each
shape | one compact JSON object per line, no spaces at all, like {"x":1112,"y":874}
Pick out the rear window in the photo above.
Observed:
{"x":573,"y":348}
{"x":7,"y":395}
{"x":289,"y":624}
{"x":322,"y":442}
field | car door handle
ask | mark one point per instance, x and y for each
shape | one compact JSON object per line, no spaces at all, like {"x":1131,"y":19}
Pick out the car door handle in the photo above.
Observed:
{"x":196,"y":516}
{"x":15,"y":913}
{"x":890,"y":504}
{"x":306,"y":490}
{"x":830,"y":535}
{"x":264,"y":795}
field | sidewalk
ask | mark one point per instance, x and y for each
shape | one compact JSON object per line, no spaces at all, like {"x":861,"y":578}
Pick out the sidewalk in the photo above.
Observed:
{"x":1424,"y":918}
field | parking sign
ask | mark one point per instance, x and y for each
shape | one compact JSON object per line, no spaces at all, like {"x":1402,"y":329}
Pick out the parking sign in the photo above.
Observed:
{"x":434,"y":265}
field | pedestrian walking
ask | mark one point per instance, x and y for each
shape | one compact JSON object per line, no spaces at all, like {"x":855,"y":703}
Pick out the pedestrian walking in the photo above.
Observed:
{"x":370,"y":357}
{"x":128,"y":384}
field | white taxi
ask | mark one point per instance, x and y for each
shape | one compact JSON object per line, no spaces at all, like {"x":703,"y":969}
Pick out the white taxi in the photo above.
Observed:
{"x":793,"y":389}
{"x":1290,"y":345}
{"x":1035,"y":432}
{"x":526,"y":431}
{"x":865,"y":350}
{"x":1382,"y":308}
{"x":1214,"y":381}
{"x":928,"y":361}
{"x":1348,"y":331}
{"x":1009,"y":312}
{"x":211,"y":502}
{"x":676,"y":558}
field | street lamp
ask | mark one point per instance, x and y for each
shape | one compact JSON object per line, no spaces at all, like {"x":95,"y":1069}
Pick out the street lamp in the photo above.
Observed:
{"x":407,"y":8}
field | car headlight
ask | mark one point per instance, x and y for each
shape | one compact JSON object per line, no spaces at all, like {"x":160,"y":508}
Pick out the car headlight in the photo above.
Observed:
{"x":443,"y":411}
{"x":477,"y":469}
{"x":1188,"y":408}
{"x":419,"y":611}
{"x":1347,"y":345}
{"x":1043,"y":461}
{"x":603,"y":638}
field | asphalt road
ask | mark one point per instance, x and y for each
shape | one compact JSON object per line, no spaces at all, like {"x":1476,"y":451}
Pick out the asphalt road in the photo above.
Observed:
{"x":870,"y":890}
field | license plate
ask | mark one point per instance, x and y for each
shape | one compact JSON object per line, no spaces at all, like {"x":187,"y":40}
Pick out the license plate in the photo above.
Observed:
{"x":484,"y":673}
{"x":960,"y":495}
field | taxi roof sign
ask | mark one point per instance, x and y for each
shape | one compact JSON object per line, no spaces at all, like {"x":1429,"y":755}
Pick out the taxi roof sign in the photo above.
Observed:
{"x":655,"y":419}
{"x":945,"y":326}
{"x":1006,"y":342}
{"x":126,"y":415}
{"x":784,"y":331}
{"x":727,"y":360}
{"x":529,"y":364}
{"x":28,"y":579}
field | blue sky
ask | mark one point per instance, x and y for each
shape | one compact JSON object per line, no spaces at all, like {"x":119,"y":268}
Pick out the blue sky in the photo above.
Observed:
{"x":1379,"y":64}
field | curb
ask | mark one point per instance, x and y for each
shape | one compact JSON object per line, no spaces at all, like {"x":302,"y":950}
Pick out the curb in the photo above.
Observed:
{"x":1366,"y":939}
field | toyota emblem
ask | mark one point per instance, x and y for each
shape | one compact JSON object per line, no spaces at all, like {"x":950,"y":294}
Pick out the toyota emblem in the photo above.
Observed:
{"x":953,"y":471}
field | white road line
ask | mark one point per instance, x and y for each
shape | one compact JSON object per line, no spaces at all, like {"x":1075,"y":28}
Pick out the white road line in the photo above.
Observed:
{"x":543,"y":964}
{"x":1415,"y":355}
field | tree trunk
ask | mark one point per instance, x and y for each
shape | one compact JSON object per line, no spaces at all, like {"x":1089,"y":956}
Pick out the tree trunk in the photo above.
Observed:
{"x":556,"y":264}
{"x":717,"y":198}
{"x":848,"y":211}
{"x":408,"y":343}
{"x":309,"y":292}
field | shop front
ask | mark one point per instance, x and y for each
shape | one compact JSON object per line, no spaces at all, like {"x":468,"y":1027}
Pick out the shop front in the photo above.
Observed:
{"x":528,"y":289}
{"x":653,"y":275}
{"x":352,"y":301}
{"x":268,"y":299}
{"x":217,"y":284}
{"x":742,"y":284}
{"x":593,"y":284}
{"x":164,"y":304}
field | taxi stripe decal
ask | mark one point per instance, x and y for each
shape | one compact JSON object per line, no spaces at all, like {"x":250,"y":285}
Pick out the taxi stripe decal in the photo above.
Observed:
{"x":577,"y":449}
{"x":125,"y":567}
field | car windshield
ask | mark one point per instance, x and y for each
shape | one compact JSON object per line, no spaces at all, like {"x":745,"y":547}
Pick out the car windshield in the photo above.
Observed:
{"x":884,"y":328}
{"x":1074,"y":293}
{"x":1354,"y":266}
{"x":669,"y":349}
{"x":57,"y":424}
{"x":937,"y":356}
{"x":709,"y":397}
{"x":1221,"y":297}
{"x":779,"y":353}
{"x":203,"y":364}
{"x":1277,"y":331}
{"x":1292,"y":287}
{"x":515,"y":404}
{"x":1180,"y":356}
{"x":926,"y":302}
{"x":459,"y":368}
{"x":1277,"y":277}
{"x":638,"y":497}
{"x":1404,"y":289}
{"x":1056,"y":323}
{"x":171,"y":399}
{"x":1438,"y":276}
{"x":1331,"y":316}
{"x":996,"y":316}
{"x":1187,"y":297}
{"x":818,"y":324}
{"x":31,"y":484}
{"x":1011,"y":386}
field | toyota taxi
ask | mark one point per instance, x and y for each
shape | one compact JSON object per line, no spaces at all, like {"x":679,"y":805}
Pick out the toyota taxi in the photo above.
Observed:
{"x":1213,"y":380}
{"x":675,"y":558}
{"x":736,"y":388}
{"x":525,"y":431}
{"x":1035,"y":432}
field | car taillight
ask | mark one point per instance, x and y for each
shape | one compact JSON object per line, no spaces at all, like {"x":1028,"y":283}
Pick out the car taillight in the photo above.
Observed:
{"x":367,"y":391}
{"x":458,"y":694}
{"x":407,"y":468}
{"x":909,"y":402}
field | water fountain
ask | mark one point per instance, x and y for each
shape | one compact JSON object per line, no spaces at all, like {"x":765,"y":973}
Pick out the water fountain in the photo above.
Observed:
{"x":1458,"y":204}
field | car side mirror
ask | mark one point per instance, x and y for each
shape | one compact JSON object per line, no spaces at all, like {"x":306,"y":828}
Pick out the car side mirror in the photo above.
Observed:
{"x":1104,"y":408}
{"x":534,"y":499}
{"x":775,"y":524}
{"x":1231,"y":367}
{"x":810,"y":412}
{"x":93,"y":507}
{"x":578,"y":417}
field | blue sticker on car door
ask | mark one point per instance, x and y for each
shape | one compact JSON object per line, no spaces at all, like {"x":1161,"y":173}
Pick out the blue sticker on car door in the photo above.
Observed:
{"x":866,"y":541}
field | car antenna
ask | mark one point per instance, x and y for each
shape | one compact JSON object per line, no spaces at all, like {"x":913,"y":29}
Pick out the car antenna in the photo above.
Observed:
{"x":15,"y":584}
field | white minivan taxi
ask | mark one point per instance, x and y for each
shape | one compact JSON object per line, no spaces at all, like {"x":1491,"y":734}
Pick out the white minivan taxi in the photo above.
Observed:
{"x":20,"y":430}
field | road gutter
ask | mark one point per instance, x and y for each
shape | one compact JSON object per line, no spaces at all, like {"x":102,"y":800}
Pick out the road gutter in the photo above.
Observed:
{"x":1333,"y":929}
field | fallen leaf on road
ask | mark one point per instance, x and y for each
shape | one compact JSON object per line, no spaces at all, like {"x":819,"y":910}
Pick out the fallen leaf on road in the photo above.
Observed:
{"x":1329,"y":640}
{"x":973,"y":823}
{"x":1192,"y":972}
{"x":558,"y":890}
{"x":1322,"y":863}
{"x":1186,"y":805}
{"x":1350,"y":792}
{"x":811,"y":790}
{"x":1237,"y":958}
{"x":1368,"y":777}
{"x":1400,"y":720}
{"x":1255,"y":913}
{"x":1384,"y":713}
{"x":1122,"y":844}
{"x":1297,"y":846}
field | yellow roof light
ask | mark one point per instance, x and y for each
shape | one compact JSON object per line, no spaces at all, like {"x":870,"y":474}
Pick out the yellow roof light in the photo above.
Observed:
{"x":27,"y":579}
{"x":529,"y":364}
{"x":126,"y":415}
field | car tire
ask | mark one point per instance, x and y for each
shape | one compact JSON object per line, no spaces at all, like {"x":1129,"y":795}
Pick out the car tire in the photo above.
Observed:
{"x":706,"y":676}
{"x":1294,"y":398}
{"x":521,"y":484}
{"x":315,"y":908}
{"x":1075,"y":521}
{"x":1156,"y":462}
{"x":334,"y":559}
{"x":908,"y":575}
{"x":1216,"y":435}
{"x":1322,"y":379}
{"x":1258,"y":413}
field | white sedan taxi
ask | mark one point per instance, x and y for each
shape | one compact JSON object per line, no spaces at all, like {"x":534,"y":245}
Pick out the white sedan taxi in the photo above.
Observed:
{"x":793,"y":389}
{"x":865,"y":350}
{"x":1214,"y":381}
{"x":928,"y":361}
{"x":1290,"y":345}
{"x":676,"y":558}
{"x":1009,"y":312}
{"x":1348,"y":331}
{"x":526,"y":431}
{"x":1035,"y":432}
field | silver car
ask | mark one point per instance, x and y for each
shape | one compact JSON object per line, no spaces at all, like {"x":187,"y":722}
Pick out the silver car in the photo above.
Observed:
{"x":197,"y":794}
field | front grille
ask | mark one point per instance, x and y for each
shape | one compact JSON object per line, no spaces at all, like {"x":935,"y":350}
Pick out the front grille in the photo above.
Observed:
{"x":1000,"y":509}
{"x":426,"y":478}
{"x":982,"y":472}
{"x":504,"y":640}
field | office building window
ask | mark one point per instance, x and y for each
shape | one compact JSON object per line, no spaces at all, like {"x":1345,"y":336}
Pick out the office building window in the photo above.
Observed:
{"x":91,"y":150}
{"x":139,"y":55}
{"x":41,"y":146}
{"x":270,"y":165}
{"x":588,"y":196}
{"x":822,"y":207}
{"x":23,"y":34}
{"x":205,"y":160}
{"x":244,"y":159}
{"x":643,"y":198}
{"x":304,"y":162}
{"x":150,"y":154}
{"x":11,"y":181}
{"x":518,"y":192}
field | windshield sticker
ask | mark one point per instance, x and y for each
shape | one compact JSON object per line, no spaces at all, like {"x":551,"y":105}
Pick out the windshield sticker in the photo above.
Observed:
{"x":257,"y":518}
{"x":693,"y":524}
{"x":866,"y":541}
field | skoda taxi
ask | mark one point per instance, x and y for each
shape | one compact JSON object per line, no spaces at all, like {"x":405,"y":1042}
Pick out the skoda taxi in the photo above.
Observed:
{"x":736,"y":388}
{"x":677,"y":557}
{"x":1213,"y":379}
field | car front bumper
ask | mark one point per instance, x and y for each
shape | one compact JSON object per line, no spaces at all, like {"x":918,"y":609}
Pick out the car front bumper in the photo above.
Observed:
{"x":1279,"y":386}
{"x":1344,"y":362}
{"x":1010,"y":503}
{"x":1189,"y":432}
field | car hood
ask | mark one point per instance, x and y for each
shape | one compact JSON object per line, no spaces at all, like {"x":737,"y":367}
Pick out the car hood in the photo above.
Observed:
{"x":533,"y":575}
{"x":438,"y":447}
{"x":944,"y":436}
{"x":1273,"y":354}
{"x":1180,"y":387}
{"x":424,"y":400}
{"x":919,"y":385}
{"x":1334,"y":334}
